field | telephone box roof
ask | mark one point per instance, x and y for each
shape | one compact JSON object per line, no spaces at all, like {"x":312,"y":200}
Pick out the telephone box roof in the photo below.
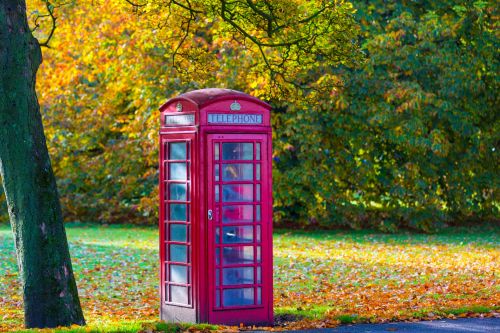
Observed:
{"x":204,"y":97}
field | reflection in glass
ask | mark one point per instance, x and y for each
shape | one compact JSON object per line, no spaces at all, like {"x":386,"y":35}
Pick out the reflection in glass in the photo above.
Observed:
{"x":178,"y":212}
{"x":237,"y":151}
{"x":258,"y":254}
{"x":216,"y":172}
{"x":179,"y":294}
{"x":217,"y":256}
{"x":178,"y":274}
{"x":258,"y":234}
{"x":237,"y":297}
{"x":177,"y":171}
{"x":217,"y":195}
{"x":237,"y":255}
{"x":257,"y":151}
{"x":178,"y":232}
{"x":217,"y":235}
{"x":178,"y":191}
{"x":237,"y":193}
{"x":178,"y":151}
{"x":257,"y":192}
{"x":178,"y":253}
{"x":257,"y":213}
{"x":237,"y":235}
{"x":259,"y":274}
{"x":216,"y":151}
{"x":237,"y":171}
{"x":237,"y":214}
{"x":239,"y":275}
{"x":257,"y":171}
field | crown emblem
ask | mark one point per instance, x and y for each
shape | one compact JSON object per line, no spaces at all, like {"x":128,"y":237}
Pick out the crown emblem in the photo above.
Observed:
{"x":235,"y":106}
{"x":178,"y":107}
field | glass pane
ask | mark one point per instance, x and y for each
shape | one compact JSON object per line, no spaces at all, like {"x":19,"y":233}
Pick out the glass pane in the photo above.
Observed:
{"x":257,"y":192}
{"x":258,"y":234}
{"x":237,"y":235}
{"x":178,"y":212}
{"x":216,"y":172}
{"x":258,"y":254}
{"x":259,"y":275}
{"x":237,"y":214}
{"x":178,"y":191}
{"x":257,"y":171}
{"x":257,"y":213}
{"x":178,"y":151}
{"x":216,"y":151}
{"x":240,"y":275}
{"x":237,"y":255}
{"x":178,"y":171}
{"x":217,"y":298}
{"x":179,"y":294}
{"x":237,"y":151}
{"x":217,"y":195}
{"x":240,"y":171}
{"x":257,"y":151}
{"x":178,"y":273}
{"x":217,"y":277}
{"x":217,"y":235}
{"x":237,"y":193}
{"x":259,"y":296}
{"x":237,"y":297}
{"x":178,"y":253}
{"x":178,"y":232}
{"x":217,"y":256}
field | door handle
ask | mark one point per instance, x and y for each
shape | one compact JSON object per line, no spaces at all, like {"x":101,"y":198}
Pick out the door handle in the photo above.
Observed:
{"x":210,"y":215}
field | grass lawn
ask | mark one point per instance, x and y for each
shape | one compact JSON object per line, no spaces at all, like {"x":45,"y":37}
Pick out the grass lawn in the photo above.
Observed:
{"x":320,"y":278}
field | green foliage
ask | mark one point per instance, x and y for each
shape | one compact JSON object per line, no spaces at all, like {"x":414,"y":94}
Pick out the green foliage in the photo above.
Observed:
{"x":412,"y":138}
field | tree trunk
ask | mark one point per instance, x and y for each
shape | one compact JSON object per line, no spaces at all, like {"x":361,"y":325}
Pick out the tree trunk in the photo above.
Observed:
{"x":49,"y":288}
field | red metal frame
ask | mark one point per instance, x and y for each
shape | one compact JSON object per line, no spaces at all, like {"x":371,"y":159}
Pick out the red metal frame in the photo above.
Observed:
{"x":201,"y":136}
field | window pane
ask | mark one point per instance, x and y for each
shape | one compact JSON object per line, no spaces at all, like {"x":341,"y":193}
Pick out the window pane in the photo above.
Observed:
{"x":257,"y":151}
{"x":217,"y":298}
{"x":217,"y":195}
{"x":178,"y":253}
{"x":237,"y":214}
{"x":178,"y":191}
{"x":178,"y":151}
{"x":238,"y":171}
{"x":237,"y":255}
{"x":217,"y":277}
{"x":240,"y":275}
{"x":217,"y":235}
{"x":258,"y":234}
{"x":216,"y":172}
{"x":216,"y":151}
{"x":237,"y":151}
{"x":257,"y":171}
{"x":237,"y":297}
{"x":237,"y":193}
{"x":259,"y":274}
{"x":258,"y":254}
{"x":179,"y":294}
{"x":178,"y":171}
{"x":179,"y":274}
{"x":257,"y":213}
{"x":259,"y":296}
{"x":178,"y":212}
{"x":257,"y":192}
{"x":217,"y":256}
{"x":237,"y":235}
{"x":178,"y":232}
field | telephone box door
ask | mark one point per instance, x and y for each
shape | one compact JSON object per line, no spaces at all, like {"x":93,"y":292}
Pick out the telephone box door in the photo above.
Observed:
{"x":239,"y":241}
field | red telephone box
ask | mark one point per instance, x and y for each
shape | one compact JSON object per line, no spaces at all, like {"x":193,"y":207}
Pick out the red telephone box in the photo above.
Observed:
{"x":216,"y":209}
